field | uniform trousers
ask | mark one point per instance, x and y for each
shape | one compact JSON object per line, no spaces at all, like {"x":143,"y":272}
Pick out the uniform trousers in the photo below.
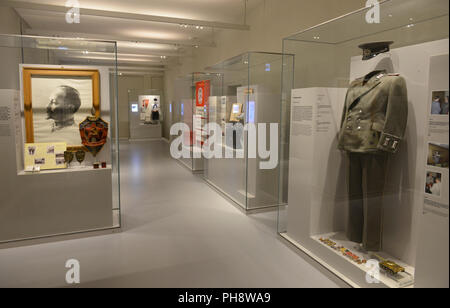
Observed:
{"x":367,"y":176}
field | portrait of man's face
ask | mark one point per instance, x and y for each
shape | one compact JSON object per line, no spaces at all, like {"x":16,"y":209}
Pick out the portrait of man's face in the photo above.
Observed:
{"x":59,"y":106}
{"x":64,"y":103}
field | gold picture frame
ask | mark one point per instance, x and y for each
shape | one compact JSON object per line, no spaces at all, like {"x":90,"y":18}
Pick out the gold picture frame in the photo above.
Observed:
{"x":30,"y":72}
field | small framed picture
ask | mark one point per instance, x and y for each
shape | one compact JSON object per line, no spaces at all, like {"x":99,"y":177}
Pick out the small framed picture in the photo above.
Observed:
{"x":433,"y":184}
{"x":439,"y":103}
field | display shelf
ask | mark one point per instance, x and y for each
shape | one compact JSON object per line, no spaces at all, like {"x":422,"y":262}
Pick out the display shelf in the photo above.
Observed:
{"x":68,"y":170}
{"x":252,"y":96}
{"x":398,"y":281}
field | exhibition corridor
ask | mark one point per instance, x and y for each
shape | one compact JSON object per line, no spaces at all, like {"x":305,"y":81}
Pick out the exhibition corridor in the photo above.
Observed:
{"x":176,"y":232}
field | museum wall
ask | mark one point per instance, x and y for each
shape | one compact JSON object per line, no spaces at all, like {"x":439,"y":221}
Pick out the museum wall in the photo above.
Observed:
{"x":133,"y":83}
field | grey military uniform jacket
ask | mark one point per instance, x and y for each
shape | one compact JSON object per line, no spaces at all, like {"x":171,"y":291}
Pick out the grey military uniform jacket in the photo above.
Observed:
{"x":375,"y":114}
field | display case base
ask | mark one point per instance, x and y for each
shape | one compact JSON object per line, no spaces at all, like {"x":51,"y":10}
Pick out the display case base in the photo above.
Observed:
{"x":402,"y":280}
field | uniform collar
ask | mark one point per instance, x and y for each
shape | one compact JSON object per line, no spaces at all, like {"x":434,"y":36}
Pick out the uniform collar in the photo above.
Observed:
{"x":364,"y":85}
{"x":371,"y":77}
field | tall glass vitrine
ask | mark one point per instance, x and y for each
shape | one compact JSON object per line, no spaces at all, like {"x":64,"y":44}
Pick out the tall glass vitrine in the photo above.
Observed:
{"x":367,"y":106}
{"x":249,"y":117}
{"x":58,"y":138}
{"x":191,"y":107}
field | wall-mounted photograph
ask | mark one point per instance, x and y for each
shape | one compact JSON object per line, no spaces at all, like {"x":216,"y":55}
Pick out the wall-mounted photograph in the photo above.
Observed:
{"x":433,"y":183}
{"x":437,"y":155}
{"x":439,"y":104}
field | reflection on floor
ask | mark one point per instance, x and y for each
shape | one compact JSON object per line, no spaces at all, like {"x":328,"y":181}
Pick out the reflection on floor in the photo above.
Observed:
{"x":177,"y":232}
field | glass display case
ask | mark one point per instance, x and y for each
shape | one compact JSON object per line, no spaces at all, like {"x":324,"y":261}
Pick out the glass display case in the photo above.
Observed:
{"x":192,"y":93}
{"x":249,"y":117}
{"x":145,"y":114}
{"x":58,"y":137}
{"x":367,"y":106}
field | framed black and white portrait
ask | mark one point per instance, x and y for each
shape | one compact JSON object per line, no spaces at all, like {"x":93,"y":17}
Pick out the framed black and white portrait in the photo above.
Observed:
{"x":56,"y":101}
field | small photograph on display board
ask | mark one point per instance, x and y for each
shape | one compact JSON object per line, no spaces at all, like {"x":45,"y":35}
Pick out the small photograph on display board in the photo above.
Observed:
{"x":437,"y":155}
{"x":439,"y":103}
{"x":433,"y":183}
{"x":45,"y":155}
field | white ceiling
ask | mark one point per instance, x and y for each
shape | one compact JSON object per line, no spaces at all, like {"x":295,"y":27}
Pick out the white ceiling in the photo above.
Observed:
{"x":211,"y":10}
{"x":161,"y":42}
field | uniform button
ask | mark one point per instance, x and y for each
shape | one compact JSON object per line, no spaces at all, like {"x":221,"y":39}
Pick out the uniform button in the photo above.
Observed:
{"x":359,"y":127}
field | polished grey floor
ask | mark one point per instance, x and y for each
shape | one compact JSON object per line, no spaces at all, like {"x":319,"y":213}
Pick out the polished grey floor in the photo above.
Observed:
{"x":177,"y":232}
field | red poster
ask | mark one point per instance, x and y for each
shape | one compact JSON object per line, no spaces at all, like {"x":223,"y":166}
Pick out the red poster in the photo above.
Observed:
{"x":202,"y":93}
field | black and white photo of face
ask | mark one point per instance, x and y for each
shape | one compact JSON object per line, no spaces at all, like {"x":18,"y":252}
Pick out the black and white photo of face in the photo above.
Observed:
{"x":59,"y":105}
{"x":64,"y":103}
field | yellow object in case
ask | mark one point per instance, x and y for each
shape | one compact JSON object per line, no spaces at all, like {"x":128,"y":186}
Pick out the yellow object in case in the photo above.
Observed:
{"x":45,"y":155}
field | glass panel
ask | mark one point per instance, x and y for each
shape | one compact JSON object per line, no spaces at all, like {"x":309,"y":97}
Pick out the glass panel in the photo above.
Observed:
{"x":228,"y":173}
{"x":252,"y":98}
{"x":193,"y":93}
{"x":358,"y":146}
{"x":49,"y":91}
